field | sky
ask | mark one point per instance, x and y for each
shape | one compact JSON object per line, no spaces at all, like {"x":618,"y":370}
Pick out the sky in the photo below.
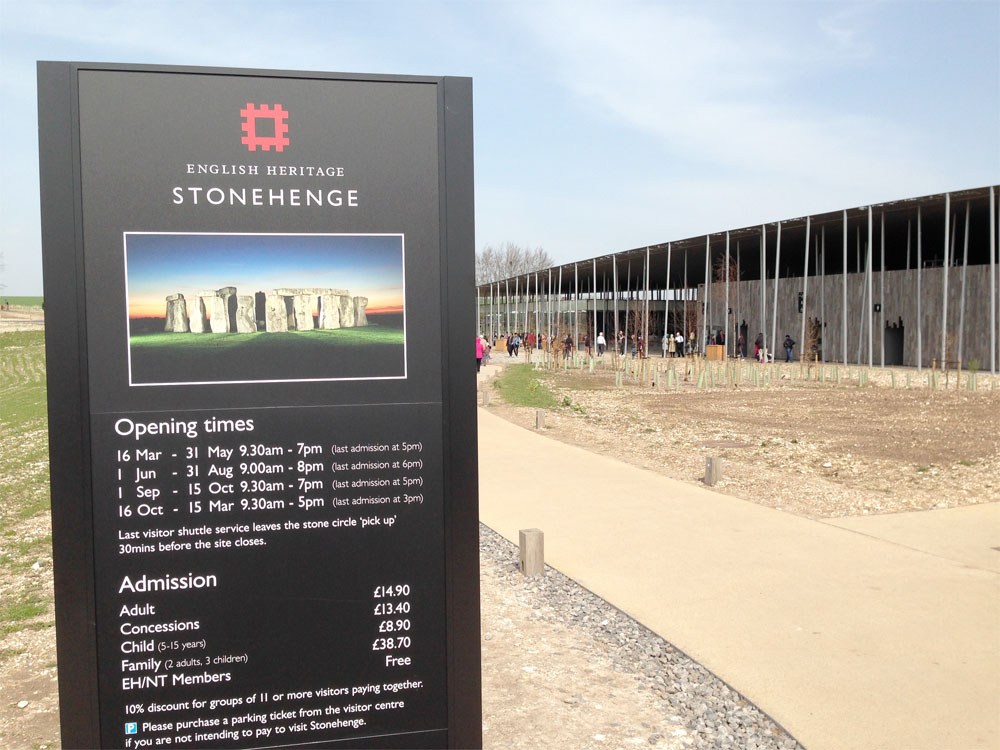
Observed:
{"x":599,"y":126}
{"x":158,"y":265}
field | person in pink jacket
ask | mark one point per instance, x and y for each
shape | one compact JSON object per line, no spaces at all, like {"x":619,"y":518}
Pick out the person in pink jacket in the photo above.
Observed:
{"x":479,"y":352}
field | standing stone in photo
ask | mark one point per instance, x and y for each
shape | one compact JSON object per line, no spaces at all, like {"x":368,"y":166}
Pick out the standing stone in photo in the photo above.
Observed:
{"x":303,"y":305}
{"x":329,"y":311}
{"x":220,"y":315}
{"x":199,"y":316}
{"x":360,"y":305}
{"x":246,"y":321}
{"x":228,"y":294}
{"x":176,"y":317}
{"x":275,"y":313}
{"x":346,"y":312}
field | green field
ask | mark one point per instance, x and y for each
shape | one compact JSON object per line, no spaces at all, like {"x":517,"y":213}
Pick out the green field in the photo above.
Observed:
{"x":21,"y":301}
{"x":370,"y":351}
{"x":25,"y":540}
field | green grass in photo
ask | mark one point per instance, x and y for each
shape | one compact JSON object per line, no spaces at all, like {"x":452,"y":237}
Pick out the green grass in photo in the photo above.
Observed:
{"x":521,"y":385}
{"x":22,"y":301}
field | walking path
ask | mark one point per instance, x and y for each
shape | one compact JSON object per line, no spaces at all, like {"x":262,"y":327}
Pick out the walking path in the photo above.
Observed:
{"x":876,"y":632}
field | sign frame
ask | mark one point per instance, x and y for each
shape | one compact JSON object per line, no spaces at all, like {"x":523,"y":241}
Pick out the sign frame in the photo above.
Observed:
{"x":69,"y":388}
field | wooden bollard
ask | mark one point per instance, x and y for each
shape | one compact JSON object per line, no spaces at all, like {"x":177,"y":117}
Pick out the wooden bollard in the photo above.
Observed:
{"x":713,"y":470}
{"x":532,"y":558}
{"x":486,"y":398}
{"x":539,"y":419}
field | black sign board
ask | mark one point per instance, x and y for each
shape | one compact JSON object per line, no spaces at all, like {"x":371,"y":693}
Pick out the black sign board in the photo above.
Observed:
{"x":261,"y":399}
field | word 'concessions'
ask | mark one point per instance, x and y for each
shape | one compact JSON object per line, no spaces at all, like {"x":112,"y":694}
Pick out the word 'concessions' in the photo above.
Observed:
{"x":216,"y":196}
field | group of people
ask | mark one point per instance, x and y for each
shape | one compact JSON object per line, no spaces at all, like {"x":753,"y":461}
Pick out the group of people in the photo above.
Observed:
{"x":674,"y":345}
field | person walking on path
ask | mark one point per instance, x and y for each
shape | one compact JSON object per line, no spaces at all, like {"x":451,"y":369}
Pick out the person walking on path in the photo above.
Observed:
{"x":479,"y":352}
{"x":601,"y":344}
{"x":788,"y":347}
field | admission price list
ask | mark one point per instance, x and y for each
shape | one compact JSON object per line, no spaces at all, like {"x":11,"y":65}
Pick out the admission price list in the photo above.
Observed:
{"x":245,"y":558}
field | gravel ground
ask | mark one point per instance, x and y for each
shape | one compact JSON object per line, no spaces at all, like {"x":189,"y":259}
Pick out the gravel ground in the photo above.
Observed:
{"x":696,"y":708}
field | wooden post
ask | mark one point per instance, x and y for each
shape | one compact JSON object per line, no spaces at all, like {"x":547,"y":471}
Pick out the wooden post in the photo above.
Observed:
{"x":539,"y":419}
{"x":713,"y":470}
{"x":486,"y":398}
{"x":532,"y":551}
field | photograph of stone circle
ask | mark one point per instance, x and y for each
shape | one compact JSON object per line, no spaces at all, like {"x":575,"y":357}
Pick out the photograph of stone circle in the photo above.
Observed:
{"x":235,"y":308}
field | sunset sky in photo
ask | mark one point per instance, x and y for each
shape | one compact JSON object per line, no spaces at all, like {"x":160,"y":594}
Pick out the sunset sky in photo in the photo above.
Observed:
{"x":159,"y":265}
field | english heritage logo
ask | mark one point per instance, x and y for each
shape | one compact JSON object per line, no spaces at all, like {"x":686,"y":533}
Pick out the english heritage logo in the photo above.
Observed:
{"x":277,"y":116}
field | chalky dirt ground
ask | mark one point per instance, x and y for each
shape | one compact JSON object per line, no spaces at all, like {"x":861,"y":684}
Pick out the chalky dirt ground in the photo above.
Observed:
{"x":815,"y":449}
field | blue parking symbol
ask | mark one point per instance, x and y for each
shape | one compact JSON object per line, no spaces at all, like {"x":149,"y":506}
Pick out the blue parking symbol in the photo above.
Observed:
{"x":131,"y":728}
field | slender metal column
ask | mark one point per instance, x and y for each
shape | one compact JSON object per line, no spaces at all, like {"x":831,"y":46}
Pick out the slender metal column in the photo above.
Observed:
{"x":944,"y":279}
{"x":645,"y":314}
{"x":993,"y":288}
{"x":843,"y":308}
{"x":869,"y":311}
{"x":739,"y":298}
{"x":506,"y":296}
{"x":881,"y":294}
{"x":805,"y":290}
{"x":576,"y":307}
{"x":725,"y":310}
{"x":559,"y":313}
{"x":822,"y":294}
{"x":777,"y":275}
{"x":628,"y":300}
{"x":614,"y":292}
{"x":517,"y":304}
{"x":685,"y":308}
{"x":763,"y":283}
{"x":538,"y":303}
{"x":920,"y":319}
{"x":965,"y":263}
{"x":864,"y":305}
{"x":593,"y":336}
{"x":708,"y":294}
{"x":666,"y":304}
{"x":548,"y":310}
